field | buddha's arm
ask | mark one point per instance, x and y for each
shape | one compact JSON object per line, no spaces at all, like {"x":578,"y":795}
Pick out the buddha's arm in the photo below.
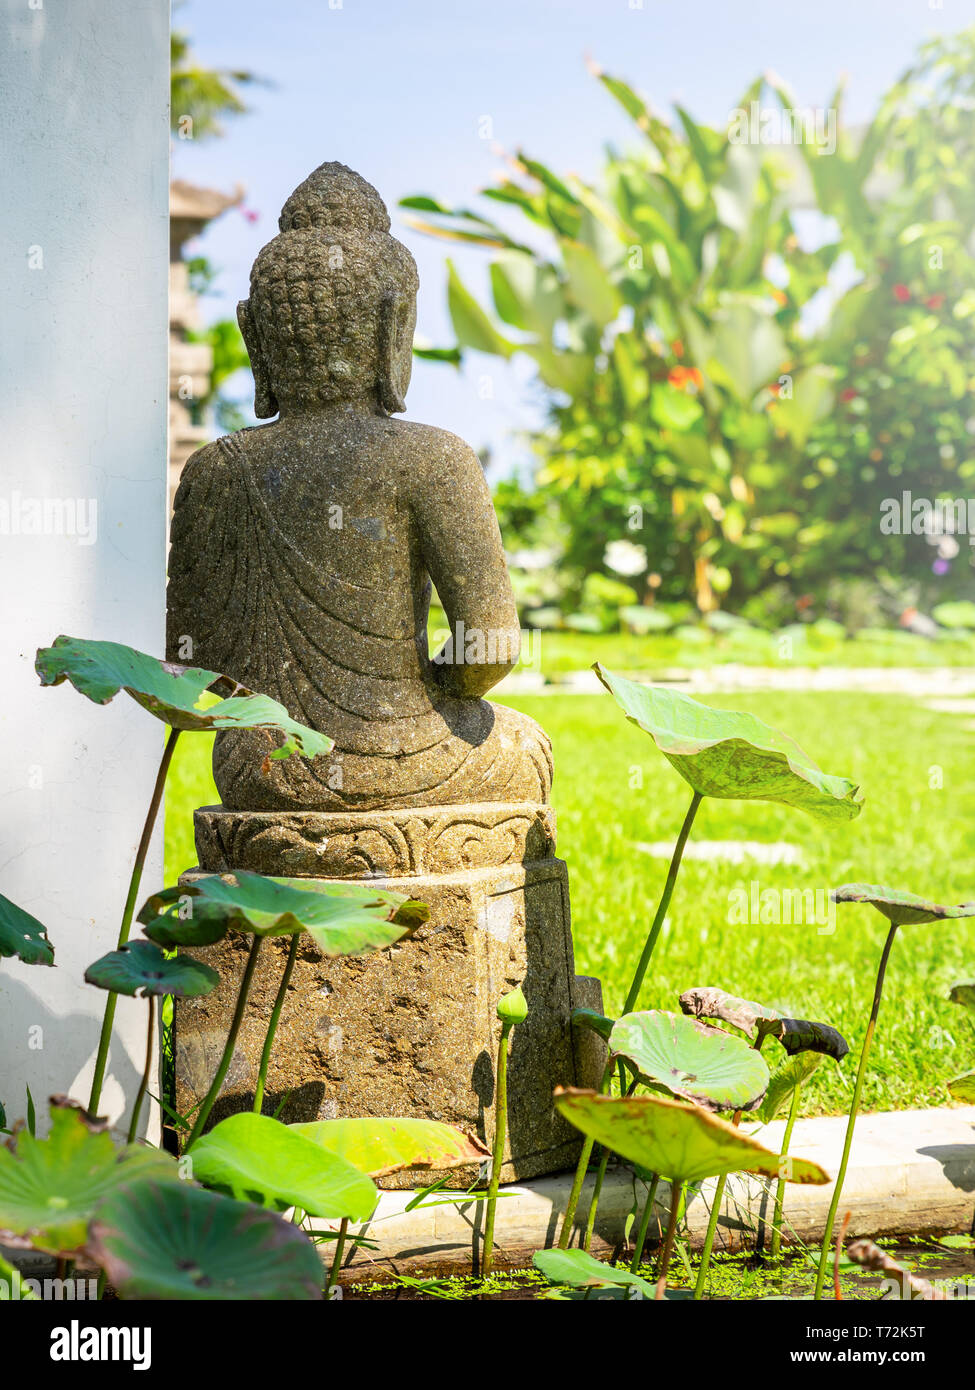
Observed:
{"x":462,"y":550}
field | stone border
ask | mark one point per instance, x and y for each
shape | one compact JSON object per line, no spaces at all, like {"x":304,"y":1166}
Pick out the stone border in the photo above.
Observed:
{"x":911,"y":1171}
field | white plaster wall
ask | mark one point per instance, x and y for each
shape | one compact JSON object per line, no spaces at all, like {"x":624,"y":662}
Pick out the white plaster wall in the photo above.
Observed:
{"x":84,"y":147}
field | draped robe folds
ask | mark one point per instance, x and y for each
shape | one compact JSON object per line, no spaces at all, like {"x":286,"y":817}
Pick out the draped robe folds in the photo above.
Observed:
{"x":332,"y":621}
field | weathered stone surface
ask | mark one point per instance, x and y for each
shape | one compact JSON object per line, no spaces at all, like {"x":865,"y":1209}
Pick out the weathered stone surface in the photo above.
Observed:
{"x":374,"y":844}
{"x":303,"y":549}
{"x":413,"y":1030}
{"x":301,"y":565}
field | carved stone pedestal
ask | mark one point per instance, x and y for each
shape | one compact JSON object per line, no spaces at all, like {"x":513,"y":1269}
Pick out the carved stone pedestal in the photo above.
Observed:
{"x":411,"y":1031}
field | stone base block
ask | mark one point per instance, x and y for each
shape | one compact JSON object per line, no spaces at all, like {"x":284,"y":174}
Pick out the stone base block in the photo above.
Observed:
{"x":410,"y":1031}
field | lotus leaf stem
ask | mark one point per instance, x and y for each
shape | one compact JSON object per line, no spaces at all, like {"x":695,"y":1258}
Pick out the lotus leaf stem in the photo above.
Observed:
{"x":203,"y":1114}
{"x":144,"y":1083}
{"x":641,"y":1235}
{"x":676,"y":1189}
{"x":272,"y":1026}
{"x":854,"y":1107}
{"x":108,"y":1020}
{"x":780,"y":1185}
{"x":497,"y":1148}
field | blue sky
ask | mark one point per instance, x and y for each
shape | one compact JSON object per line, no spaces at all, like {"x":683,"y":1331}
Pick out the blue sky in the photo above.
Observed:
{"x":398,"y":89}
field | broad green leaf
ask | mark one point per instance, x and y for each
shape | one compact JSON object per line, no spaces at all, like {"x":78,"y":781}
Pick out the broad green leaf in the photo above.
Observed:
{"x":679,"y":1140}
{"x":715,"y":1069}
{"x":734,"y":193}
{"x":343,"y":919}
{"x":730,"y":754}
{"x":526,"y":295}
{"x":588,"y":1018}
{"x":50,"y":1188}
{"x":964,"y":994}
{"x":177,"y":1242}
{"x":383,"y":1146}
{"x":141,"y":968}
{"x":963,"y":1087}
{"x":957,"y":614}
{"x":792,"y":1073}
{"x":811,"y":399}
{"x":23,"y":936}
{"x":471,"y":324}
{"x":580,"y":1270}
{"x":589,"y":286}
{"x":257,"y":1158}
{"x":759,"y":1021}
{"x":899,"y":907}
{"x":747,"y":348}
{"x":175,"y":694}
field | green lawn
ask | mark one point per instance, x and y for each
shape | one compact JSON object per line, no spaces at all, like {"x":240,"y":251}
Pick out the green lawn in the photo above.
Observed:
{"x":910,"y":835}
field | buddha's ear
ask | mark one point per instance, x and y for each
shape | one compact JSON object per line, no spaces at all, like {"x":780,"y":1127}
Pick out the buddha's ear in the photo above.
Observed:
{"x":395,"y":352}
{"x":265,"y":404}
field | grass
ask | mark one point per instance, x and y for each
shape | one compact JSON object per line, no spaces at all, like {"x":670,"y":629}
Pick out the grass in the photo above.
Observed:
{"x":613,"y":790}
{"x":557,"y":653}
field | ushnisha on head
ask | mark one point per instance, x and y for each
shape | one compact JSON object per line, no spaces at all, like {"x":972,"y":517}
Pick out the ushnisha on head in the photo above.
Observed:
{"x":332,"y":304}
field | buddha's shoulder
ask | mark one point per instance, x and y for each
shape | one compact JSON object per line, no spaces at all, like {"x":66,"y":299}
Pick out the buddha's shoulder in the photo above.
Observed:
{"x":426,"y":447}
{"x":213,"y":460}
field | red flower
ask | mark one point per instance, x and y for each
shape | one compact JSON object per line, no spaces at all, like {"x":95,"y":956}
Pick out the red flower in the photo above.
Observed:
{"x":935,"y":301}
{"x":684,"y":377}
{"x":902,"y":293}
{"x":848,"y":394}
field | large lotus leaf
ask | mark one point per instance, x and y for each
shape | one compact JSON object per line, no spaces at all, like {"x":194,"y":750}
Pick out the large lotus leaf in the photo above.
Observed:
{"x":679,"y":1140}
{"x":382,"y":1146}
{"x":23,"y":936}
{"x":140,"y":968}
{"x":580,"y":1270}
{"x":963,"y":1087}
{"x":177,"y":1242}
{"x":716,"y":1069}
{"x":964,"y":994}
{"x":900,"y":908}
{"x":257,"y":1158}
{"x":175,"y":694}
{"x":731,"y":754}
{"x":792,"y":1073}
{"x":49,"y":1188}
{"x":343,"y":919}
{"x":759,"y":1020}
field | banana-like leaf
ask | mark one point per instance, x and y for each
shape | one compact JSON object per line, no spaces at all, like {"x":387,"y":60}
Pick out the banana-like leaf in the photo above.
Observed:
{"x":679,"y":1140}
{"x":141,"y":968}
{"x":759,"y":1020}
{"x":963,"y":1087}
{"x":730,"y":754}
{"x":900,"y":908}
{"x":23,"y":936}
{"x":257,"y":1158}
{"x":964,"y":994}
{"x":580,"y":1270}
{"x":471,"y":324}
{"x":173,"y":693}
{"x":792,"y":1073}
{"x":50,"y":1188}
{"x":383,"y":1146}
{"x":343,"y":919}
{"x":178,"y":1242}
{"x":713,"y":1068}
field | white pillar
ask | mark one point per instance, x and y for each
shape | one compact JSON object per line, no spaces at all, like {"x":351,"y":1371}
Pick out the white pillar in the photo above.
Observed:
{"x":83,"y":378}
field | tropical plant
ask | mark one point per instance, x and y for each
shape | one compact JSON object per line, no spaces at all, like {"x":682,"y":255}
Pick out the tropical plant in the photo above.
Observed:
{"x":184,"y":698}
{"x":900,"y":908}
{"x":737,"y":392}
{"x":798,"y":1037}
{"x":677,"y":1139}
{"x":725,"y":754}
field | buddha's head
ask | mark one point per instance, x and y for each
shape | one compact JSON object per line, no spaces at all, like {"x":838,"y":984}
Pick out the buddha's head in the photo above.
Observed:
{"x":332,"y":306}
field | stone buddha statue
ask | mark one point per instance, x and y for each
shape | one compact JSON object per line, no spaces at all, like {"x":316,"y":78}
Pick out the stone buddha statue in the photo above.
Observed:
{"x":304,"y":549}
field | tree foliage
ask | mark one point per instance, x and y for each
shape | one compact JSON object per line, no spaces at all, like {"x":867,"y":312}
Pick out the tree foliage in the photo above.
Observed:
{"x":729,"y":390}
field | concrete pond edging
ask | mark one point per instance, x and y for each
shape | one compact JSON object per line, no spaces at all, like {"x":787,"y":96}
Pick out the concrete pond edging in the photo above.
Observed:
{"x":910,"y":1172}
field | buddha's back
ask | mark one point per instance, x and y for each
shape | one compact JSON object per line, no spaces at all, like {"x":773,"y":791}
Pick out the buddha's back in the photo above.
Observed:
{"x":303,"y":550}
